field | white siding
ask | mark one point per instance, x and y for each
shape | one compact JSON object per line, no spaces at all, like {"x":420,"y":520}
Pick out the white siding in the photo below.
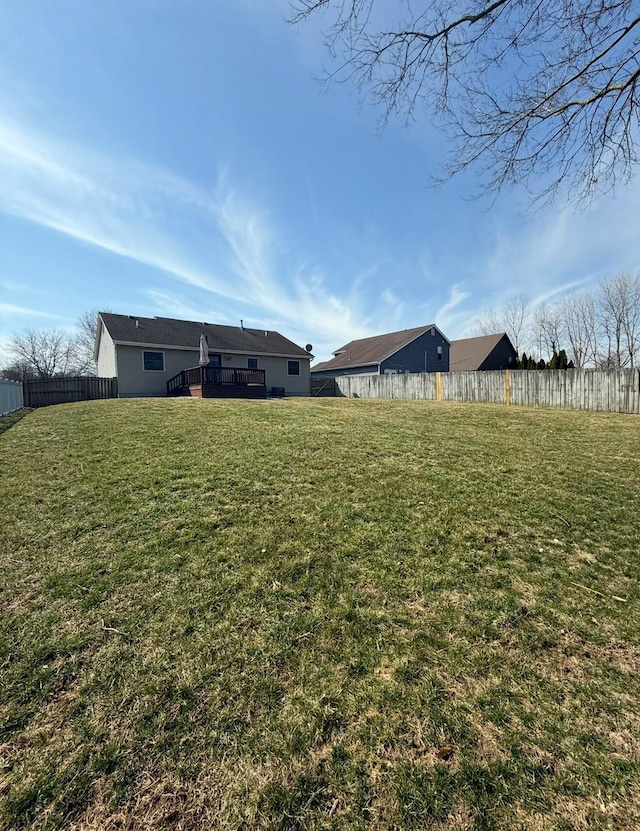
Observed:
{"x":106,"y":356}
{"x":133,"y":381}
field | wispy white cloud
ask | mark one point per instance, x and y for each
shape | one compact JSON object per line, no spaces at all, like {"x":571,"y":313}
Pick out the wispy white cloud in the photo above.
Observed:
{"x":554,"y":254}
{"x":229,"y":249}
{"x":118,"y":205}
{"x":22,"y":311}
{"x":175,"y":305}
{"x":446,"y":317}
{"x":227,"y":256}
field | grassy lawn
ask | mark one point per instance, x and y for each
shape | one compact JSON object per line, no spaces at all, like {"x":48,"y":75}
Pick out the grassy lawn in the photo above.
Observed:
{"x":319,"y":614}
{"x":10,"y":419}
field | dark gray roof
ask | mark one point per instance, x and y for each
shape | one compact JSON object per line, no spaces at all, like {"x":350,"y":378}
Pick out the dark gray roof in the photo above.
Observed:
{"x":468,"y":354}
{"x":367,"y":351}
{"x":165,"y":331}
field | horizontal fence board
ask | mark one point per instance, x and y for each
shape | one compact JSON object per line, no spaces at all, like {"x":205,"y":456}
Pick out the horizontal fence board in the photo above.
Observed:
{"x":611,"y":390}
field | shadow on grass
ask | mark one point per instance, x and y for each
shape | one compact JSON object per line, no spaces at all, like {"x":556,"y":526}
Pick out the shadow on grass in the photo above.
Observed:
{"x":10,"y":419}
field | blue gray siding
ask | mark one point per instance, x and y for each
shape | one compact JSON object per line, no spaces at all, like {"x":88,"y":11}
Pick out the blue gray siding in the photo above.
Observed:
{"x":356,"y":370}
{"x":421,"y":355}
{"x":502,"y":356}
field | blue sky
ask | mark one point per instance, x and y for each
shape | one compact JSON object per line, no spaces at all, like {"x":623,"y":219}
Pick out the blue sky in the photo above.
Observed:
{"x":178,"y":158}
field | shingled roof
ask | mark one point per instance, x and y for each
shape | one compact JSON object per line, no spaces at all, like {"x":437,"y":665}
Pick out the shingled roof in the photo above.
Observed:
{"x":185,"y":334}
{"x":468,"y":354}
{"x":367,"y":351}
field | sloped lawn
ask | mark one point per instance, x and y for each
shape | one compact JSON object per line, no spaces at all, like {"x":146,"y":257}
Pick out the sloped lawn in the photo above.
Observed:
{"x":319,"y":614}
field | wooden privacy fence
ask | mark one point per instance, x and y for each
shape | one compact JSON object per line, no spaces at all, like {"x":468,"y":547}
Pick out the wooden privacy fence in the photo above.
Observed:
{"x":65,"y":390}
{"x":10,"y":396}
{"x":612,"y":390}
{"x":323,"y":387}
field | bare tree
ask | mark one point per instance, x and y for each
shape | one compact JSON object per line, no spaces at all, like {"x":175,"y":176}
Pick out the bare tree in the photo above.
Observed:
{"x":619,"y":307}
{"x":580,"y":326}
{"x":549,"y":329}
{"x":18,"y":371}
{"x":516,"y":315}
{"x":85,"y":341}
{"x":46,"y":352}
{"x":631,"y":323}
{"x":488,"y":322}
{"x":513,"y":318}
{"x":542,"y":93}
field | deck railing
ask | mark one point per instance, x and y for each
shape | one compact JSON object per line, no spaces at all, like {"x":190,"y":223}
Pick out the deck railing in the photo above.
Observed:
{"x":215,"y":375}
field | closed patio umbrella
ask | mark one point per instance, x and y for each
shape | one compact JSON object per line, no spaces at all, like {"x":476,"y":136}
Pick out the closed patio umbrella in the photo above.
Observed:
{"x":204,"y":351}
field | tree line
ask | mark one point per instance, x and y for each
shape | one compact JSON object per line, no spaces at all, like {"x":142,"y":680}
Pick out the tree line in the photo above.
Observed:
{"x":597,"y":328}
{"x":41,"y":354}
{"x":585,"y":329}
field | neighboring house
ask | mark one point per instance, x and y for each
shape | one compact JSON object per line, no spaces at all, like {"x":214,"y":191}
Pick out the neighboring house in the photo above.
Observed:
{"x":486,"y":352}
{"x":424,"y":349}
{"x":145,"y":353}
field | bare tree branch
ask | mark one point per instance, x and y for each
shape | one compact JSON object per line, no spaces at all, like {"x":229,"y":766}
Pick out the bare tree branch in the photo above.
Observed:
{"x":545,"y":93}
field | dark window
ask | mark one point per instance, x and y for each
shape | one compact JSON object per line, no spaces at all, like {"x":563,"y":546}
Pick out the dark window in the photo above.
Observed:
{"x":153,"y":361}
{"x":215,"y":360}
{"x":293,"y":367}
{"x":252,"y":363}
{"x":439,"y":353}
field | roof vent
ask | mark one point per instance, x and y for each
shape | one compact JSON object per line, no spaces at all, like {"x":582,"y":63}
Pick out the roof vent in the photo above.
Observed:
{"x":266,"y":333}
{"x":137,"y":323}
{"x":242,"y":324}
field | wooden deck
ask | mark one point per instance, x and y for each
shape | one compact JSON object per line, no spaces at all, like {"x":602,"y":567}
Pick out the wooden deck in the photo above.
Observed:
{"x":218,"y":382}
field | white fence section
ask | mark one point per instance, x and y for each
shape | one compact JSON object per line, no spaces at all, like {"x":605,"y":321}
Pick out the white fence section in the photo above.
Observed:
{"x":612,"y":390}
{"x":10,"y":396}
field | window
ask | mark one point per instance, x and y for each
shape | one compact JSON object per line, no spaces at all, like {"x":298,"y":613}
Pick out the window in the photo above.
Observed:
{"x":293,"y":367}
{"x":439,"y":353}
{"x":252,"y":363}
{"x":153,"y":361}
{"x":215,"y":360}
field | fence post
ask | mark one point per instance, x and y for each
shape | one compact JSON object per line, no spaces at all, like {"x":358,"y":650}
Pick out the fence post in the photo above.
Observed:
{"x":438,"y":387}
{"x":507,"y":387}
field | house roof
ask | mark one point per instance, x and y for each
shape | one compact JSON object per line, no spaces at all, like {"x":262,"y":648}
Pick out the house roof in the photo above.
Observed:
{"x":366,"y":351}
{"x":468,"y":354}
{"x":185,"y":334}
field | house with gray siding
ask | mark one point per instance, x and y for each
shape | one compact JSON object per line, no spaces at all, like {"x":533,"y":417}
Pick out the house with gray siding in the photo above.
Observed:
{"x":145,"y":353}
{"x":423,"y":349}
{"x":483,"y":353}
